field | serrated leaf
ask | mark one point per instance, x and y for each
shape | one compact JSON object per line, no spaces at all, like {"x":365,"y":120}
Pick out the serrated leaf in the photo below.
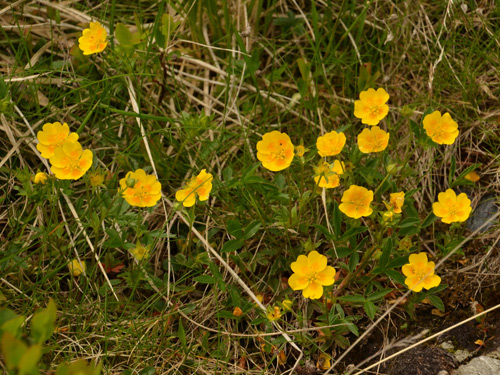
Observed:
{"x":370,"y":309}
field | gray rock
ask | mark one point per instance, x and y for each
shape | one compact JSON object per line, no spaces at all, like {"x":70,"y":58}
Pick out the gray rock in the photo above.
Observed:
{"x":480,"y":366}
{"x":485,"y":209}
{"x":462,"y":355}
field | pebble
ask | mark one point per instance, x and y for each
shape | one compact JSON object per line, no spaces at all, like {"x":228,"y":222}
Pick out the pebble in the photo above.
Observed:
{"x":480,"y":366}
{"x":485,"y":209}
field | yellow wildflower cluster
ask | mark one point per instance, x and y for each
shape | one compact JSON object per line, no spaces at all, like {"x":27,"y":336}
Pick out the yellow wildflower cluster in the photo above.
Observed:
{"x":67,"y":158}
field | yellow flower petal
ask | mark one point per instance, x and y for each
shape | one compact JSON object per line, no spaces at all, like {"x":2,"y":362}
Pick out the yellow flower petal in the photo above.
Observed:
{"x":327,"y":276}
{"x":298,"y":282}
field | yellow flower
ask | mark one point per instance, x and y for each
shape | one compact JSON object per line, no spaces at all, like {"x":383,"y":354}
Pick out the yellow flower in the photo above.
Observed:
{"x":373,"y":140}
{"x":237,"y":312}
{"x":273,"y":313}
{"x":420,"y":273}
{"x":275,"y":151}
{"x":324,"y":362}
{"x":300,"y":150}
{"x":40,"y":178}
{"x":388,"y":216}
{"x":472,"y":176}
{"x":96,"y":179}
{"x":70,"y":161}
{"x":140,"y":251}
{"x":287,"y":305}
{"x":442,"y":130}
{"x":140,"y":189}
{"x":452,"y":208}
{"x":397,"y":201}
{"x":330,"y":144}
{"x":328,"y":174}
{"x":93,"y":39}
{"x":311,"y":273}
{"x":76,"y":268}
{"x":356,"y":202}
{"x":52,"y":136}
{"x":200,"y":185}
{"x":371,"y":107}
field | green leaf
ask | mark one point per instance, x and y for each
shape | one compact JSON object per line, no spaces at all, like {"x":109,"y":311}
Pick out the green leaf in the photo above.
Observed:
{"x":353,"y":232}
{"x":234,"y":229}
{"x":453,"y":166}
{"x":29,"y":360}
{"x":436,"y":301}
{"x":12,"y":349}
{"x":378,"y":295}
{"x":353,"y":261}
{"x":205,"y":279}
{"x":218,"y":277}
{"x":252,"y":228}
{"x":370,"y":309}
{"x":323,"y":230}
{"x":150,"y":370}
{"x":409,"y":222}
{"x":431,"y":218}
{"x":168,"y":27}
{"x":123,"y":35}
{"x":355,"y":298}
{"x":13,"y":326}
{"x":43,"y":323}
{"x":181,"y":334}
{"x":81,"y":367}
{"x":395,"y":275}
{"x":343,"y":252}
{"x":232,"y":245}
{"x":6,"y":315}
{"x":398,"y":262}
{"x":386,"y":253}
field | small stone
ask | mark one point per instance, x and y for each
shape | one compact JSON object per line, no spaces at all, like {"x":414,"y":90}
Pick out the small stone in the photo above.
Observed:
{"x":447,"y":345}
{"x":461,"y":355}
{"x":480,"y":366}
{"x":485,"y":209}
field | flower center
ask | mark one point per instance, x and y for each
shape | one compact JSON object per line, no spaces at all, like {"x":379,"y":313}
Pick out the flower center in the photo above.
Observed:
{"x":375,"y":110}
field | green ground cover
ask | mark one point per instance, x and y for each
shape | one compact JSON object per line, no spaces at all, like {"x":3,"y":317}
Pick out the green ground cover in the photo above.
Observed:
{"x":186,"y":86}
